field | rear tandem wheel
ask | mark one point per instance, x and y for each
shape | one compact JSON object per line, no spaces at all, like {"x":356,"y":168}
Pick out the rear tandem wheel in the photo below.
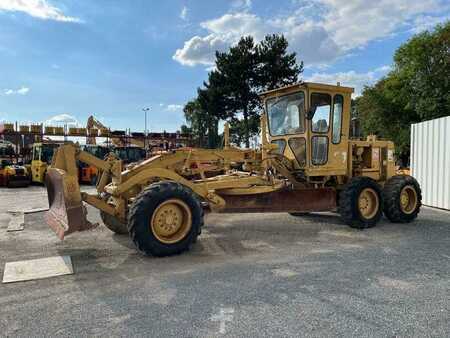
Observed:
{"x":402,"y":198}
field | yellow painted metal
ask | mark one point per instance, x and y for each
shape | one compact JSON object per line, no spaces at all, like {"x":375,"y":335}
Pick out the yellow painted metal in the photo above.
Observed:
{"x":38,"y":171}
{"x":408,"y":199}
{"x":99,"y":203}
{"x":368,"y":203}
{"x":238,"y":171}
{"x":252,"y":190}
{"x":171,"y":221}
{"x":42,"y":153}
{"x":8,"y":127}
{"x":226,"y":136}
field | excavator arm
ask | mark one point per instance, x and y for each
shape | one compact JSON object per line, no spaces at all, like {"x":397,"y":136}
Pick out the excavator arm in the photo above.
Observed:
{"x":92,"y":123}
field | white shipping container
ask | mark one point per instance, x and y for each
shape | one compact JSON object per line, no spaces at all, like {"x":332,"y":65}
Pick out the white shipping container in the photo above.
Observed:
{"x":430,"y":160}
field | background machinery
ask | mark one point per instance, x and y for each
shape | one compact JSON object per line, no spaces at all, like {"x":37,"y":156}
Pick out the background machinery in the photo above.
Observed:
{"x":89,"y":173}
{"x":42,"y":154}
{"x":12,"y":173}
{"x":306,"y":163}
{"x":129,"y":154}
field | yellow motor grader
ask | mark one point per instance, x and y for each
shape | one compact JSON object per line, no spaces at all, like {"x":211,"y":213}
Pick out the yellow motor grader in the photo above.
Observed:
{"x":306,"y":163}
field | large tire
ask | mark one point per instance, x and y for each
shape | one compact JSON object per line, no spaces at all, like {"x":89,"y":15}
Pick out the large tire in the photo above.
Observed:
{"x":114,"y":224}
{"x":158,"y":236}
{"x":394,"y":192}
{"x":360,"y":203}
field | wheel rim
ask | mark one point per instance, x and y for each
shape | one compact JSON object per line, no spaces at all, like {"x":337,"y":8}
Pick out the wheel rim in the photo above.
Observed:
{"x":408,"y":199}
{"x":171,"y":221}
{"x":368,"y":203}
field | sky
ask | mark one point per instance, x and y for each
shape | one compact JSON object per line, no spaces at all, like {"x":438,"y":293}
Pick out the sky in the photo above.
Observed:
{"x":63,"y":60}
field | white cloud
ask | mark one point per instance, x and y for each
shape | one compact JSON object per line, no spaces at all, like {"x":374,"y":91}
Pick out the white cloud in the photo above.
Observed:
{"x":241,"y":4}
{"x":320,"y":31}
{"x":62,"y":119}
{"x":174,"y":107}
{"x":351,"y":78}
{"x":200,"y":50}
{"x":41,"y":9}
{"x":233,"y":26}
{"x":426,"y":22}
{"x":357,"y":22}
{"x":23,"y":91}
{"x":20,"y":91}
{"x":184,"y":13}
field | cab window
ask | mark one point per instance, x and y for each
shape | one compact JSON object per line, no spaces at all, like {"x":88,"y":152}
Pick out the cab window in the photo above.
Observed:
{"x":298,"y":147}
{"x":281,"y":146}
{"x":319,"y":150}
{"x":338,"y":103}
{"x":47,"y":153}
{"x":321,"y":119}
{"x":286,"y":114}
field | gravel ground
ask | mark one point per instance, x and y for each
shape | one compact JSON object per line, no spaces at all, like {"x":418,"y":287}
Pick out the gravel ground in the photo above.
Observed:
{"x":248,"y":275}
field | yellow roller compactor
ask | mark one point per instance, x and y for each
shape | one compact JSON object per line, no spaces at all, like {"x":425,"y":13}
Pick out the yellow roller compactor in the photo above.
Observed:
{"x":306,"y":163}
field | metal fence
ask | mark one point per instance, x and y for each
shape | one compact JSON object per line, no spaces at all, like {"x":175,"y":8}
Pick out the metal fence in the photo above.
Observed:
{"x":430,"y":160}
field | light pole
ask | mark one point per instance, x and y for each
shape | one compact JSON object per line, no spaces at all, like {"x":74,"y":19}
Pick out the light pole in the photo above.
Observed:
{"x":145,"y":110}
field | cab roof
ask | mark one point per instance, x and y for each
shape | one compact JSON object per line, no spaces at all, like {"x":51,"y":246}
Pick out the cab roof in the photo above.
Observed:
{"x":307,"y":85}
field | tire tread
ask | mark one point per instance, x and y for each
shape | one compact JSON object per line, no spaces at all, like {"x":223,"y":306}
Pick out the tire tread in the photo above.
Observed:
{"x":348,"y":202}
{"x":154,"y":192}
{"x":391,"y":195}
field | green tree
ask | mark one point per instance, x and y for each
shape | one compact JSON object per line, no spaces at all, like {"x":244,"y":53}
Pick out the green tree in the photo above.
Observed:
{"x":197,"y":121}
{"x":276,"y":67}
{"x":246,"y":70}
{"x":238,"y":70}
{"x":232,"y":90}
{"x":210,"y":105}
{"x":416,"y":89}
{"x":185,"y":130}
{"x":422,"y":65}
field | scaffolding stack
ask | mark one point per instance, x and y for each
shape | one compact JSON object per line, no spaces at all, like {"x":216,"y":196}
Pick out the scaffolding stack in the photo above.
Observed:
{"x":24,"y":135}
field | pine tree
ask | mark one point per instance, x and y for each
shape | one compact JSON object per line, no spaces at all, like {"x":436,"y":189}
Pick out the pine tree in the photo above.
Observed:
{"x":232,"y":90}
{"x":277,"y":67}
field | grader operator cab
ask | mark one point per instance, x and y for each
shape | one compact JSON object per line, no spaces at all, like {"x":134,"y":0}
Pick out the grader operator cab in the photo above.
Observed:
{"x":306,"y":163}
{"x":42,"y":157}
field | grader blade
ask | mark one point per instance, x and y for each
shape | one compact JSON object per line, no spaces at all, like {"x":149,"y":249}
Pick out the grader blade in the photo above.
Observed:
{"x":304,"y":200}
{"x":66,"y":211}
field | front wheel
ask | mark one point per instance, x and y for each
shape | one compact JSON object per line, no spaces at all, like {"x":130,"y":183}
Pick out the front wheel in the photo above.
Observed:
{"x":165,"y":219}
{"x":402,"y":199}
{"x":114,"y":224}
{"x":360,"y":203}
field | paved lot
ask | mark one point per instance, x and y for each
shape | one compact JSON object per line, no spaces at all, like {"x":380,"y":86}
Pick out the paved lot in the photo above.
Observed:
{"x":248,"y":275}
